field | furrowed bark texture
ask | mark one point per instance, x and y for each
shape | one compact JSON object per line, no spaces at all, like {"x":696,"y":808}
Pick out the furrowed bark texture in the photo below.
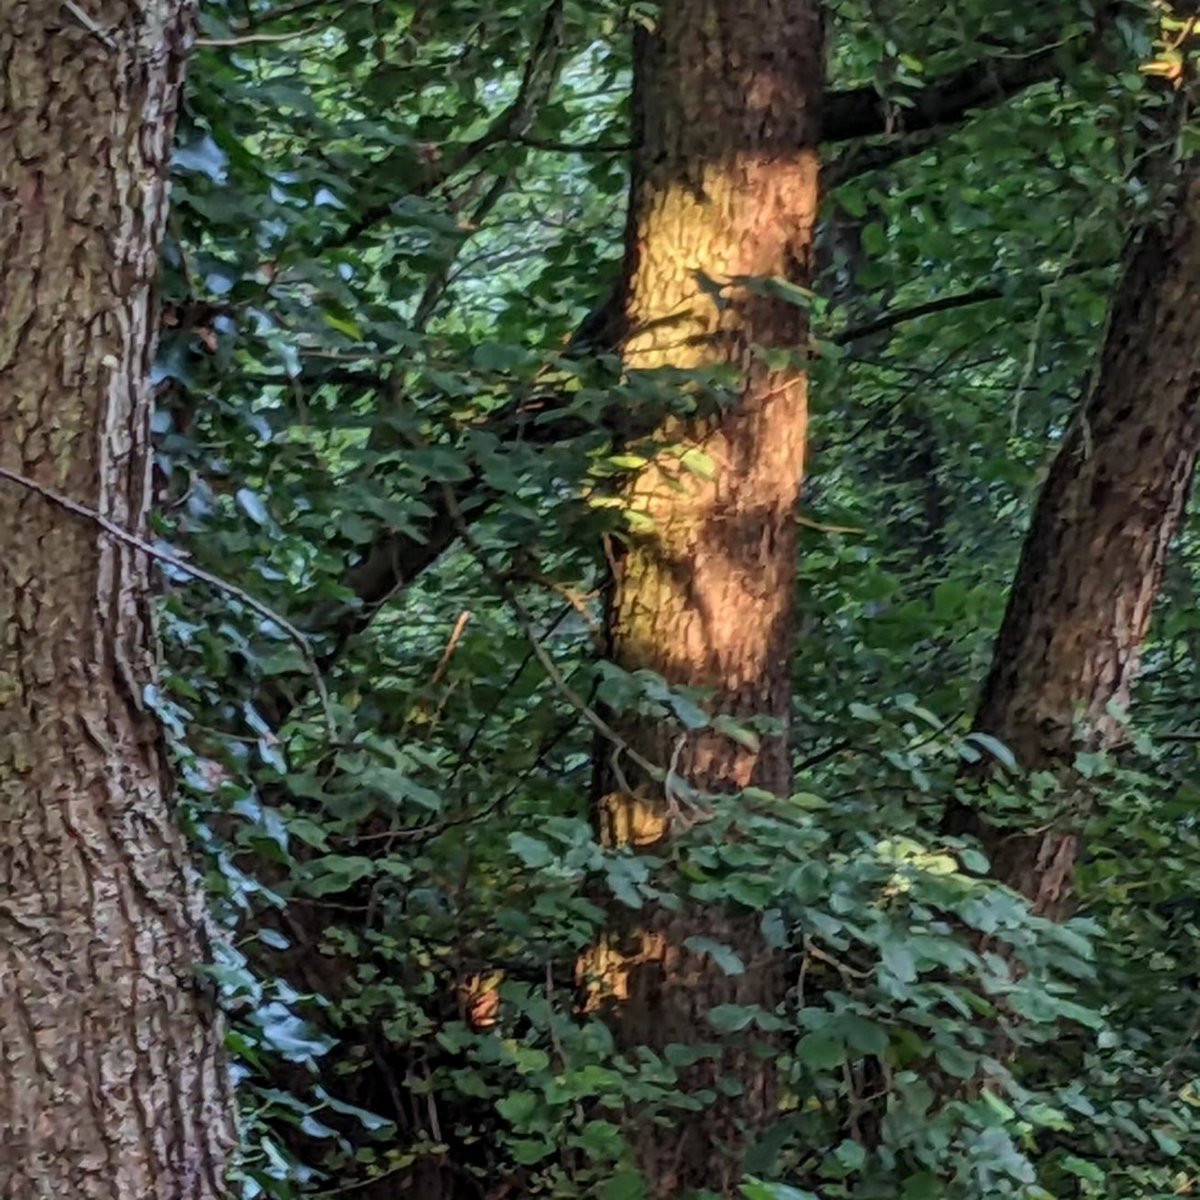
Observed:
{"x":112,"y":1084}
{"x":1092,"y":563}
{"x":724,"y":189}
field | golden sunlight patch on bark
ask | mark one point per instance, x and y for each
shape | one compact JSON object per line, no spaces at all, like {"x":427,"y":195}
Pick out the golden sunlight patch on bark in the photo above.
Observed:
{"x":606,"y":971}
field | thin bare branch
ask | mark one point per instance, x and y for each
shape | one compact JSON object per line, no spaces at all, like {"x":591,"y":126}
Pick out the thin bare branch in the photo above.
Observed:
{"x":179,"y":564}
{"x":253,"y":39}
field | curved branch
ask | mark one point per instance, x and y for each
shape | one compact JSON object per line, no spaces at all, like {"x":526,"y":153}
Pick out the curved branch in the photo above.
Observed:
{"x":863,"y":112}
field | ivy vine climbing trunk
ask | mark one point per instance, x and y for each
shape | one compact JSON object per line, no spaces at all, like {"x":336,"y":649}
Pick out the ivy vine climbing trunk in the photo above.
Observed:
{"x":1092,"y":564}
{"x":112,"y":1085}
{"x":724,"y":193}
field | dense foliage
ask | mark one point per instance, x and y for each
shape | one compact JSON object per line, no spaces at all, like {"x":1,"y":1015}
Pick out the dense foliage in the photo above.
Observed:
{"x":388,"y":412}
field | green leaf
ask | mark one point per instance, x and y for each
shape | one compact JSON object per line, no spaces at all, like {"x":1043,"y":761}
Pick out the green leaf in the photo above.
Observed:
{"x":923,"y":1186}
{"x":532,"y":852}
{"x":1166,"y":1143}
{"x":1082,"y":1169}
{"x":722,"y":955}
{"x":625,"y":1185}
{"x":996,"y":748}
{"x":783,"y":289}
{"x":810,"y":882}
{"x":773,"y":930}
{"x":763,"y":1155}
{"x":498,"y":356}
{"x":202,"y":155}
{"x":337,"y":873}
{"x":252,"y":505}
{"x":290,"y":1036}
{"x":623,"y":883}
{"x":698,"y":463}
{"x":974,"y":860}
{"x":730,"y":1018}
{"x":310,"y":1126}
{"x":602,"y":1140}
{"x":518,"y":1108}
{"x":862,"y":1034}
{"x":739,"y":733}
{"x":853,"y":200}
{"x":851,"y":1155}
{"x":528,"y":1151}
{"x":273,"y":938}
{"x":821,"y":1051}
{"x":756,"y":1189}
{"x":956,"y":1061}
{"x":309,"y":832}
{"x":343,"y":325}
{"x":875,"y":239}
{"x":368,"y":1120}
{"x":898,"y":961}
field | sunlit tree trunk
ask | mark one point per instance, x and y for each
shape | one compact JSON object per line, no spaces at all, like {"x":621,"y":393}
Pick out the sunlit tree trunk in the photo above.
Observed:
{"x":1092,"y":563}
{"x":724,"y":189}
{"x":112,"y":1085}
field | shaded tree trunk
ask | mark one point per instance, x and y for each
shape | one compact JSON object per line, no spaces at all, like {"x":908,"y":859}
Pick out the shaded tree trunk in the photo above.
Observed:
{"x":1092,"y":563}
{"x":724,"y":188}
{"x":112,"y":1084}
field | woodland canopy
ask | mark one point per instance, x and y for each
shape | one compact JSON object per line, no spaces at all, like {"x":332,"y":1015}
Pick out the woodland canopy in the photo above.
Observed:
{"x":597,"y":600}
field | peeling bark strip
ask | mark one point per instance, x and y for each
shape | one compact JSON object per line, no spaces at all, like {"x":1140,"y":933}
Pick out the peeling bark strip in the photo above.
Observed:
{"x":112,"y":1085}
{"x":1092,"y":563}
{"x":726,"y":101}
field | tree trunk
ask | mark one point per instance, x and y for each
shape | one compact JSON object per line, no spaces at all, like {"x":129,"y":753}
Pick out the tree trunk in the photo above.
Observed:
{"x":1093,"y":560}
{"x":724,"y":189}
{"x":112,"y":1084}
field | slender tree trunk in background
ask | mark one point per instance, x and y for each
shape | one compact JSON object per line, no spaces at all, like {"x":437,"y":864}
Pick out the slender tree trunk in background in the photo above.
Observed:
{"x":1092,"y":563}
{"x":112,"y":1084}
{"x":725,"y":187}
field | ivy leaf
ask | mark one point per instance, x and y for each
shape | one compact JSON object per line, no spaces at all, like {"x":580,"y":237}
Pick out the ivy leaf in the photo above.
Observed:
{"x":343,"y":325}
{"x":369,"y":1121}
{"x":739,"y":733}
{"x":532,"y":852}
{"x":252,"y":505}
{"x":1082,"y":1169}
{"x":698,"y":463}
{"x":996,"y":748}
{"x":898,"y":961}
{"x":956,"y":1061}
{"x":756,"y":1189}
{"x":518,"y":1108}
{"x":730,"y":1018}
{"x":625,"y":1185}
{"x":864,"y":1035}
{"x":821,"y":1051}
{"x":851,"y":1155}
{"x":721,"y":954}
{"x":602,"y":1140}
{"x":923,"y":1186}
{"x":289,"y":1035}
{"x":337,"y":873}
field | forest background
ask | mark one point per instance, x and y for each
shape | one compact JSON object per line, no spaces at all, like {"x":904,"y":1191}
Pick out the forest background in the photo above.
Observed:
{"x":655,"y":515}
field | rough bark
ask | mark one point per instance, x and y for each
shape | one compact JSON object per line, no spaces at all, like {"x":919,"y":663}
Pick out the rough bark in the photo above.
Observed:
{"x":724,"y":189}
{"x":112,"y":1084}
{"x":1092,"y":564}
